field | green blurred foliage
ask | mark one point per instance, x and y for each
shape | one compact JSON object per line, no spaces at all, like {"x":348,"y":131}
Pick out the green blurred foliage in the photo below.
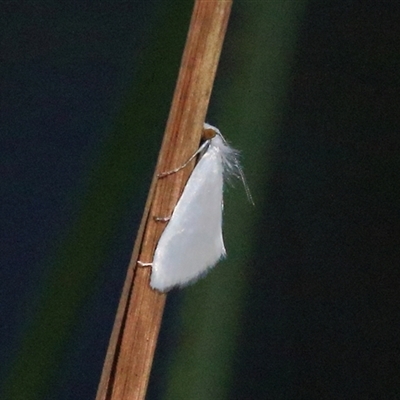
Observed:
{"x":77,"y":260}
{"x":246,"y":104}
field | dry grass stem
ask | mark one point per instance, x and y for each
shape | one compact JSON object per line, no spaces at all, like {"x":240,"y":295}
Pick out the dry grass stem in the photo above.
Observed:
{"x":131,"y":350}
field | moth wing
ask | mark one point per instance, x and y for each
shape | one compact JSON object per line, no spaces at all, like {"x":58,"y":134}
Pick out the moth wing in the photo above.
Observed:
{"x":192,"y":241}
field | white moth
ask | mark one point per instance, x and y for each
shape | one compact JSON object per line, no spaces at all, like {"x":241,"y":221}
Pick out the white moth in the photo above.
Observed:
{"x":192,"y":241}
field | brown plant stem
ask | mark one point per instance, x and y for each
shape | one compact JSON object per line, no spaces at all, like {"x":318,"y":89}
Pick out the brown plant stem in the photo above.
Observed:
{"x":133,"y":340}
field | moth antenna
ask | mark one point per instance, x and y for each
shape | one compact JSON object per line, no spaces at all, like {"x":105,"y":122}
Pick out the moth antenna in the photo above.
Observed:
{"x":246,"y":186}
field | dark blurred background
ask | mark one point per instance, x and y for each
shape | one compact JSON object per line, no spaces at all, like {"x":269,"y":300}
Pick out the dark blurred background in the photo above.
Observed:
{"x":306,"y":306}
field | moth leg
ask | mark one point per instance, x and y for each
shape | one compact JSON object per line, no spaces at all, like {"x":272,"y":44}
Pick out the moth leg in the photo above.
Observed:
{"x":142,"y":264}
{"x":199,"y":150}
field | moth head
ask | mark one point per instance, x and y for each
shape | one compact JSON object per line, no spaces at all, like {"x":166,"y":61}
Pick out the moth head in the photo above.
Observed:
{"x":209,"y":132}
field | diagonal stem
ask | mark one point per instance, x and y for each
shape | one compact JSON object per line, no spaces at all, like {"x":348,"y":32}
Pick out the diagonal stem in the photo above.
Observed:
{"x":133,"y":340}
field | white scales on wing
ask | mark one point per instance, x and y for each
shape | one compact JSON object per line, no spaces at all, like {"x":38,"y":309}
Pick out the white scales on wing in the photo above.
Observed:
{"x":192,"y":241}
